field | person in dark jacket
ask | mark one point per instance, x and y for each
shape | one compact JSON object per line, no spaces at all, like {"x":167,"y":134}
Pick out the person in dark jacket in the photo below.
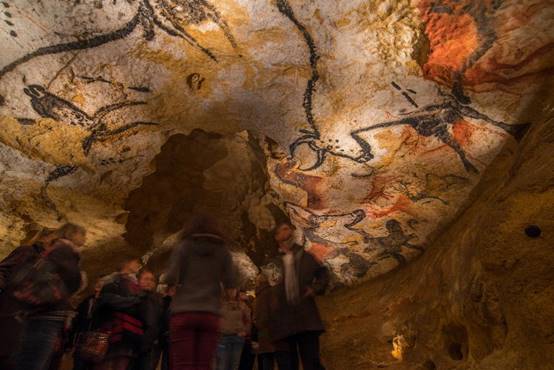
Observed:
{"x":149,"y":354}
{"x":9,"y":306}
{"x":167,"y":294}
{"x":297,"y":319}
{"x":269,"y":352}
{"x":199,"y":267}
{"x":41,"y":278}
{"x":82,"y":323}
{"x":120,"y":311}
{"x":248,"y":356}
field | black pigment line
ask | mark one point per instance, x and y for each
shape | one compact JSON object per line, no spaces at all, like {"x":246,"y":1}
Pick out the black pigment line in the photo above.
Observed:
{"x":216,"y":17}
{"x":143,"y":89}
{"x":77,"y":45}
{"x":287,"y":11}
{"x":409,"y":98}
{"x":59,"y":172}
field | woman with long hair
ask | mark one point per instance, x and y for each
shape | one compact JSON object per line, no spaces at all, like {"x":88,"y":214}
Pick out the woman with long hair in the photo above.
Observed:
{"x":200,"y":266}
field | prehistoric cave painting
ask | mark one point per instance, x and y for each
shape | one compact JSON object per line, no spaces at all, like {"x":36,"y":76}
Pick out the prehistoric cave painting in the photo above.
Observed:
{"x":168,"y":15}
{"x":285,"y":9}
{"x":420,"y":196}
{"x":89,"y":80}
{"x":7,"y":15}
{"x":424,"y":195}
{"x":58,"y":172}
{"x":391,"y":245}
{"x":406,"y":93}
{"x":432,"y":186}
{"x":357,"y":265}
{"x":194,"y":81}
{"x":435,"y":120}
{"x":312,"y":185}
{"x":48,"y":105}
{"x":456,"y":12}
{"x":312,"y":223}
{"x":312,"y":136}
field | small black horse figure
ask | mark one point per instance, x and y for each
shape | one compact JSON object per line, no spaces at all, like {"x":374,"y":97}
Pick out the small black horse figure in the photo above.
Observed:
{"x":48,"y":105}
{"x":52,"y":106}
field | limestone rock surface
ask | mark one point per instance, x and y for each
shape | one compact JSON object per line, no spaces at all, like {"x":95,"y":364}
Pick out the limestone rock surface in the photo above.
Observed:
{"x":480,"y":298}
{"x":368,"y":122}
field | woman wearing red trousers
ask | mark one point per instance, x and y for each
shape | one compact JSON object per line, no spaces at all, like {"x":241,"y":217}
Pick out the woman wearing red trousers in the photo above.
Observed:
{"x":200,"y":266}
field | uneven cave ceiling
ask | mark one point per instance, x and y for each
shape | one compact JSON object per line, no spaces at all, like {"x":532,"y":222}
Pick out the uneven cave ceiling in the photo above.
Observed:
{"x":368,"y":122}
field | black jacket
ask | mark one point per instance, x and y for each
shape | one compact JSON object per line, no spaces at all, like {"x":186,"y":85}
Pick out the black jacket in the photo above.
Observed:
{"x":63,"y":261}
{"x":290,"y":319}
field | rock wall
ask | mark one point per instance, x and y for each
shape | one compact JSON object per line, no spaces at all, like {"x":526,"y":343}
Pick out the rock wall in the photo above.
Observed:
{"x":378,"y":116}
{"x":480,"y":298}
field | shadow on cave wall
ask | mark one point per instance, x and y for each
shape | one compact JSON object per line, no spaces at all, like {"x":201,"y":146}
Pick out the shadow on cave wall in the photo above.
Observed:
{"x":199,"y":173}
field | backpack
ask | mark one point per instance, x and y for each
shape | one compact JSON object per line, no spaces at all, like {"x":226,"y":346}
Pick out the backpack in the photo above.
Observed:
{"x":37,"y":283}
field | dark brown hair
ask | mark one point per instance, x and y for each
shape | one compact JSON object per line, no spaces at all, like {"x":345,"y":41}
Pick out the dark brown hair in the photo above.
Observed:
{"x":202,"y":224}
{"x":68,"y":230}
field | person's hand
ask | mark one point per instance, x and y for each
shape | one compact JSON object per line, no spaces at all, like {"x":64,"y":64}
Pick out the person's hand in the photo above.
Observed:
{"x":242,"y":334}
{"x":309,"y":293}
{"x":255,"y":346}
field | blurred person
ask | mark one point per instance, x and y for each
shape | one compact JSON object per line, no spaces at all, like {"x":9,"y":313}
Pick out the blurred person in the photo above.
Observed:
{"x":235,"y":327}
{"x":167,"y":293}
{"x":82,"y":323}
{"x":296,"y":318}
{"x":149,"y":354}
{"x":269,"y":352}
{"x":38,"y":280}
{"x":248,"y":355}
{"x":200,"y":267}
{"x":120,"y":312}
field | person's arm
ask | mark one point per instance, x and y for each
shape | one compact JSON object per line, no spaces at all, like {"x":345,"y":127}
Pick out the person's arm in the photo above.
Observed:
{"x":151,"y":314}
{"x":15,"y":258}
{"x":110,"y":297}
{"x":247,"y":319}
{"x":262,"y":308}
{"x":174,"y":271}
{"x":79,"y":322}
{"x":229,"y":275}
{"x":320,"y":280}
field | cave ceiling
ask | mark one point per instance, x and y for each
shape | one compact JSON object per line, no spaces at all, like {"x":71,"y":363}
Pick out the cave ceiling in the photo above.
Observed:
{"x":368,"y":122}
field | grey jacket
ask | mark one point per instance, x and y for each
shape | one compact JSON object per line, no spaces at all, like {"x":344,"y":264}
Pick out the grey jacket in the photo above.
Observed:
{"x":199,"y":267}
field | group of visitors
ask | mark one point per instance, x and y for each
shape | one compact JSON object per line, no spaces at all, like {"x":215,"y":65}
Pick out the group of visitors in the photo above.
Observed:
{"x":192,"y":317}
